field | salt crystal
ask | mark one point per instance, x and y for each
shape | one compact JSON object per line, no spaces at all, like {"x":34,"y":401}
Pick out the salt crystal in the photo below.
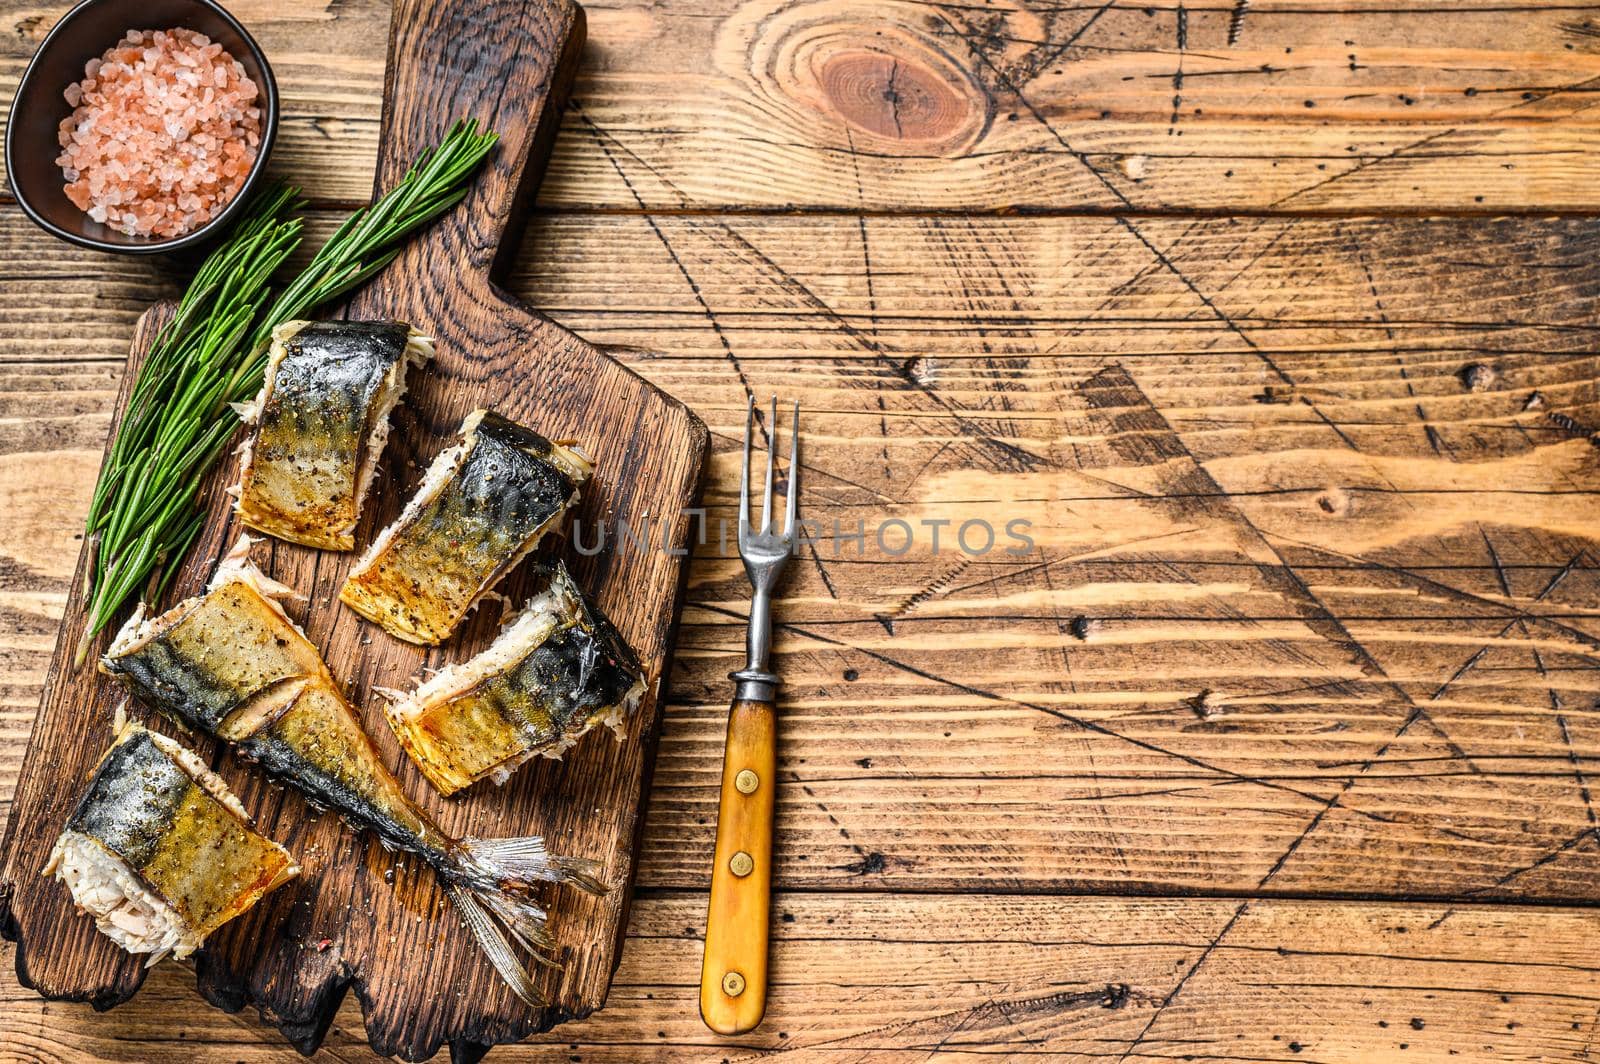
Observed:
{"x":144,"y":139}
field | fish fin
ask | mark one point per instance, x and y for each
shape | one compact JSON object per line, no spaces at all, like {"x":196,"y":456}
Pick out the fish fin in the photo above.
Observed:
{"x":526,"y":922}
{"x":132,"y":630}
{"x":491,"y":884}
{"x":526,"y":860}
{"x":494,"y":945}
{"x":582,"y":873}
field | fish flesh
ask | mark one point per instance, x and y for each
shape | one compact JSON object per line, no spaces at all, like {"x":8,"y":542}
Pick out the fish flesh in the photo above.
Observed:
{"x":159,"y":851}
{"x":321,"y":421}
{"x":232,"y":664}
{"x":557,"y":669}
{"x":482,"y":507}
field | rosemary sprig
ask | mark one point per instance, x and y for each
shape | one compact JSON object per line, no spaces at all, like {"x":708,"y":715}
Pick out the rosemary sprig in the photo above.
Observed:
{"x":143,"y":515}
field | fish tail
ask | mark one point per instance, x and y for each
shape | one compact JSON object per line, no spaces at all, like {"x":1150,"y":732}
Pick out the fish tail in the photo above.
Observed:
{"x":520,"y":862}
{"x":581,"y":873}
{"x":490,"y":886}
{"x":494,"y":945}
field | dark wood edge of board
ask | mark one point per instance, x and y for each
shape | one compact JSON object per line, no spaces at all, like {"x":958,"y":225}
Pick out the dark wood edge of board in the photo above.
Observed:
{"x":226,"y":981}
{"x":144,"y":330}
{"x":226,"y":990}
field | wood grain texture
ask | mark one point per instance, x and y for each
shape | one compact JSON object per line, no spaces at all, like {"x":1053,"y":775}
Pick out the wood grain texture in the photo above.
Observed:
{"x":359,"y":916}
{"x":1212,"y":708}
{"x":895,"y":106}
{"x":909,"y":978}
{"x":1310,"y":610}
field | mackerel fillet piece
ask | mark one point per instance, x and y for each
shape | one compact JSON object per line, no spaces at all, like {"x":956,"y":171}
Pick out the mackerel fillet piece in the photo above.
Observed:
{"x":232,"y":664}
{"x":557,"y":669}
{"x":159,"y":851}
{"x":482,"y":507}
{"x":321,"y":421}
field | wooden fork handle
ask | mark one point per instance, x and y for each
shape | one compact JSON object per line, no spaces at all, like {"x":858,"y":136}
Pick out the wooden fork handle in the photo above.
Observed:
{"x":733,"y":975}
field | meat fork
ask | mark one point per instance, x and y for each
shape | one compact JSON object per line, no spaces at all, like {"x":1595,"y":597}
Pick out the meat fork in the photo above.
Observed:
{"x":733,"y":974}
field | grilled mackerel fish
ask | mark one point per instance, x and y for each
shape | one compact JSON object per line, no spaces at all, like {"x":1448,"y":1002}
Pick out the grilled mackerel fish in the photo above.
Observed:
{"x":321,"y":421}
{"x":482,"y":507}
{"x":557,"y":669}
{"x":159,"y":851}
{"x":232,"y":664}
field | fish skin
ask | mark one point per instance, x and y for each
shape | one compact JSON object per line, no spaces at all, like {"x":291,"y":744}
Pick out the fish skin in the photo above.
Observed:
{"x":132,"y":829}
{"x":565,"y":683}
{"x":301,"y":730}
{"x":234,"y":651}
{"x":201,"y":857}
{"x":319,"y":746}
{"x":301,"y":478}
{"x":223,"y":652}
{"x":504,"y":495}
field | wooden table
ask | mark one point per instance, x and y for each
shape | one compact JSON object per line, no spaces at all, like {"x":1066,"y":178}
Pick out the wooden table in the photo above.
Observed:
{"x":1275,"y":320}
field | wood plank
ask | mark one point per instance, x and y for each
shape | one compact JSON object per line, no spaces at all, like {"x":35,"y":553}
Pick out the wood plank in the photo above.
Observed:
{"x":1247,"y":581}
{"x":913,"y":978}
{"x":858,"y":105}
{"x":361,"y":913}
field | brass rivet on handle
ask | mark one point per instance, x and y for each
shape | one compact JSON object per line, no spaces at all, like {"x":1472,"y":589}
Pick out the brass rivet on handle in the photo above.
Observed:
{"x":741,"y":864}
{"x":746,"y":781}
{"x":733,"y":984}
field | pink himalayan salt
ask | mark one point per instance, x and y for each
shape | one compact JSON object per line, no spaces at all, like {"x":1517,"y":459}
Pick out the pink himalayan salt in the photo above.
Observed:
{"x":163,"y":133}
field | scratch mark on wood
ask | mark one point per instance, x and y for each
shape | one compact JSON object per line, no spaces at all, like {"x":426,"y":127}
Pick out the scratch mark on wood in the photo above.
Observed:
{"x":1241,"y":8}
{"x":1466,"y":666}
{"x":672,"y":253}
{"x":1177,"y":76}
{"x":1183,"y":981}
{"x":1529,"y":97}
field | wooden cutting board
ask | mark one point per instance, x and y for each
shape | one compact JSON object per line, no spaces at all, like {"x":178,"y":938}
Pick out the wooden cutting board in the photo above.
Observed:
{"x":360,"y":917}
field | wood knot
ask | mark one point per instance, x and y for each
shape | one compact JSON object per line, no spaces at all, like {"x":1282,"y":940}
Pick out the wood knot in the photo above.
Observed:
{"x":1334,"y":501}
{"x":890,"y":97}
{"x":875,"y":69}
{"x":870,"y":864}
{"x":1477,"y":377}
{"x":923,"y":370}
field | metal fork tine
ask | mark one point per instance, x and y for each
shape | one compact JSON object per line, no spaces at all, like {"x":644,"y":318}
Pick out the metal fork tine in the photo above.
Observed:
{"x":772,"y":452}
{"x":744,"y":474}
{"x":794,"y":477}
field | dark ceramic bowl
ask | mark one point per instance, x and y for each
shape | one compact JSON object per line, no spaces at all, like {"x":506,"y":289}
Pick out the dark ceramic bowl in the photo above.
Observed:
{"x":84,"y":33}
